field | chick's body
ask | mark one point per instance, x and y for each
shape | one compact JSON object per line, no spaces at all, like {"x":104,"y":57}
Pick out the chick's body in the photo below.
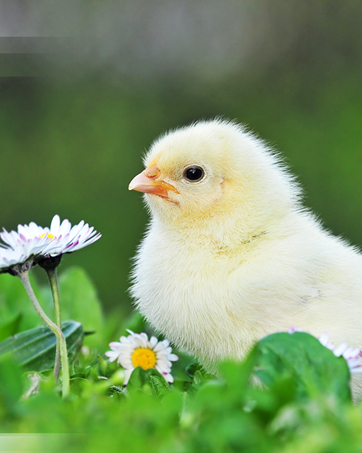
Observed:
{"x":231,"y":257}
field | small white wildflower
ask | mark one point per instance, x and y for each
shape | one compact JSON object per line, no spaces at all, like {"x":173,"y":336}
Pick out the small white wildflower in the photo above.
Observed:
{"x":34,"y":241}
{"x":136,"y":350}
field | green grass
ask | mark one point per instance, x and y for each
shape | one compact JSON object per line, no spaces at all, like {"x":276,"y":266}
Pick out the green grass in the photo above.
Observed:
{"x":303,"y":404}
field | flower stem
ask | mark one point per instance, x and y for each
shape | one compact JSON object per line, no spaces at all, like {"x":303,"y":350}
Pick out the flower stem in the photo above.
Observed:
{"x":24,"y":277}
{"x":53,"y":281}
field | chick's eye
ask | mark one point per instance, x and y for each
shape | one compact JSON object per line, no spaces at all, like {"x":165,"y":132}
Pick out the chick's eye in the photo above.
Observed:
{"x":194,"y":173}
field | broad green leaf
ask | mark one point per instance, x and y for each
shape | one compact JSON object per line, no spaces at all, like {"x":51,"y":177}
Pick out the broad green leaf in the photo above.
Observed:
{"x":79,"y":301}
{"x":117,"y":393}
{"x":80,"y":386}
{"x":159,"y":386}
{"x":10,"y":327}
{"x":34,"y":349}
{"x":14,"y":302}
{"x":11,"y":384}
{"x":142,"y":379}
{"x":137,"y":380}
{"x":198,"y":377}
{"x":314,"y":368}
{"x":192,"y":368}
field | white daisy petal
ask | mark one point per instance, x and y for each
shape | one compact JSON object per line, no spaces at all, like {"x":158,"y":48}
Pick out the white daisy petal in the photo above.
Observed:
{"x":76,"y":229}
{"x":159,"y":347}
{"x":115,"y":345}
{"x":340,"y":349}
{"x":354,"y":362}
{"x":125,"y":363}
{"x":169,"y":378}
{"x":127,"y":375}
{"x":55,"y":224}
{"x":64,"y":227}
{"x":350,"y":353}
{"x":34,"y":229}
{"x":112,"y":355}
{"x":162,"y":368}
{"x":324,"y":338}
{"x":22,"y":231}
{"x":153,"y":341}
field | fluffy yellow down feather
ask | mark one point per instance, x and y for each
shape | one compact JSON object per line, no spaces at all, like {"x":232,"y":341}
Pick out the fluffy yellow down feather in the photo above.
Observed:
{"x":230,"y":254}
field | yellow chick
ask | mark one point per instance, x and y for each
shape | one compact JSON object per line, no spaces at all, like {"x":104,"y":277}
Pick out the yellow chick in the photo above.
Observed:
{"x":230,"y":254}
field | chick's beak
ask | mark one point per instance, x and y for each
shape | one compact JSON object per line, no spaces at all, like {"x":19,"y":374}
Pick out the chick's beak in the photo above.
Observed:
{"x":148,"y":182}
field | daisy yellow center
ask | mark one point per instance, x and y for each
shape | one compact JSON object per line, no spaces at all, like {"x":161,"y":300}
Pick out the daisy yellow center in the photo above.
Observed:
{"x":144,"y":358}
{"x":49,"y":235}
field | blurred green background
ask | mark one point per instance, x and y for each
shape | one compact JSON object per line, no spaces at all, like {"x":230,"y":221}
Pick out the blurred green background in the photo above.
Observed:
{"x":86,"y":87}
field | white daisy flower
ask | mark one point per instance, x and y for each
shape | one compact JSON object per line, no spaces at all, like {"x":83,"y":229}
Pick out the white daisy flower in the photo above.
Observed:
{"x":34,"y":241}
{"x":136,"y":350}
{"x":353,"y":356}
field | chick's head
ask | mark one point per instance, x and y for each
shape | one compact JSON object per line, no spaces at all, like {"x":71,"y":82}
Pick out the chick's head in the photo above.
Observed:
{"x":213,"y":173}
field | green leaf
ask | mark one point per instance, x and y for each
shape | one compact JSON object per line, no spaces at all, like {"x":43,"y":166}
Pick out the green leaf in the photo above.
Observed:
{"x":80,"y":386}
{"x":198,"y":377}
{"x":159,"y":386}
{"x":137,"y":380}
{"x":14,"y":302}
{"x":314,"y":368}
{"x":117,"y":393}
{"x":11,"y":384}
{"x":192,"y":368}
{"x":34,"y":349}
{"x":79,"y":301}
{"x":141,"y":380}
{"x":10,"y":327}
